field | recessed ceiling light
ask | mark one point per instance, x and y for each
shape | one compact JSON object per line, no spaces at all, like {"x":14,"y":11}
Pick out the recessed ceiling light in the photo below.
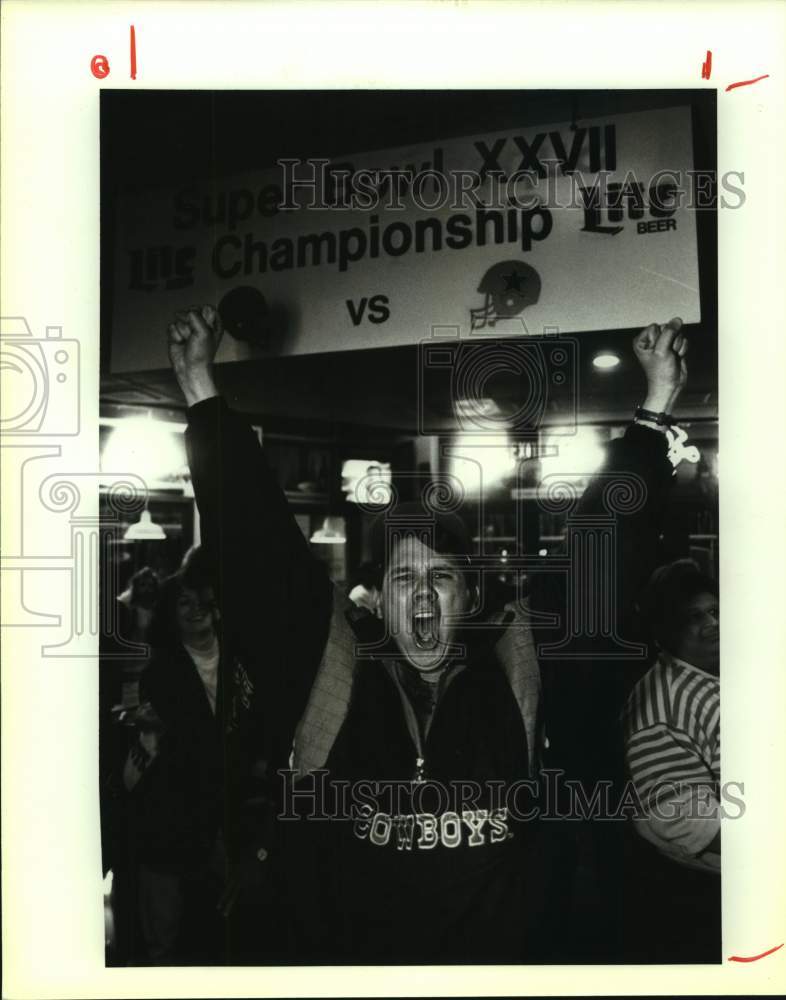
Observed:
{"x":605,"y":360}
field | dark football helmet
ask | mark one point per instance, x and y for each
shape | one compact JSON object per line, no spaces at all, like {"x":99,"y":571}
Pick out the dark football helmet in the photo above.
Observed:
{"x":507,"y":288}
{"x":244,"y":314}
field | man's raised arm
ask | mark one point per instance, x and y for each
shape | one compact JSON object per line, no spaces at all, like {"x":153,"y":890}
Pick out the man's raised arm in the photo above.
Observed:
{"x":274,"y":596}
{"x":584,"y":693}
{"x":642,"y":453}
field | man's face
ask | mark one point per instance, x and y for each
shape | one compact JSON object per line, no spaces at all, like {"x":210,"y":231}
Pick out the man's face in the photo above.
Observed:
{"x":697,"y":635}
{"x":424,"y":595}
{"x":195,"y":613}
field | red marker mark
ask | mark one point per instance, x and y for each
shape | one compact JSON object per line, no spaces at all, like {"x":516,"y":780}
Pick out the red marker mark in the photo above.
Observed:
{"x":99,"y":64}
{"x":133,"y":53}
{"x":746,"y":83}
{"x":754,"y":958}
{"x":706,"y":66}
{"x":99,"y":67}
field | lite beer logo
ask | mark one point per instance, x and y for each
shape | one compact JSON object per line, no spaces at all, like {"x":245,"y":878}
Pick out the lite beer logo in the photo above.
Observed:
{"x":425,"y":831}
{"x":627,"y":199}
{"x":165,"y":267}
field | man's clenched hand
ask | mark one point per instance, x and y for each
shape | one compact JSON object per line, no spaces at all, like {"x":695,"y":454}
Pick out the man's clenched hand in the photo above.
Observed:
{"x":661,"y":353}
{"x":193,"y":342}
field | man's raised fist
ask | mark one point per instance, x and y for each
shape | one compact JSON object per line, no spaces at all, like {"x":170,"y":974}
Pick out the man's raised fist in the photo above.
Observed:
{"x":661,"y":353}
{"x":193,"y":341}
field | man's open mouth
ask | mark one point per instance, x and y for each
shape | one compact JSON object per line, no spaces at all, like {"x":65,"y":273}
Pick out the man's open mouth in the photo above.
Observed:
{"x":425,"y":628}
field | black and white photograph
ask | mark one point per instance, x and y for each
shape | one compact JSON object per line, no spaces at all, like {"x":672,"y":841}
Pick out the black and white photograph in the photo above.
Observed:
{"x":366,"y":369}
{"x":414,"y":651}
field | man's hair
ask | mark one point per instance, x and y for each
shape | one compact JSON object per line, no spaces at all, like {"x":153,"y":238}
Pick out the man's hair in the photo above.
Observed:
{"x":446,"y":533}
{"x":669,"y":590}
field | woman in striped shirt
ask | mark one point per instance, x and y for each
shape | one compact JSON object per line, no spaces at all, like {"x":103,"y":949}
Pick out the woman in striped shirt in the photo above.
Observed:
{"x":672,"y":719}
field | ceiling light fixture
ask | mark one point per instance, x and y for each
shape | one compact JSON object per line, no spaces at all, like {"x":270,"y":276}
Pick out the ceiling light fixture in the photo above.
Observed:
{"x":605,"y":361}
{"x":145,"y":530}
{"x":331,"y":532}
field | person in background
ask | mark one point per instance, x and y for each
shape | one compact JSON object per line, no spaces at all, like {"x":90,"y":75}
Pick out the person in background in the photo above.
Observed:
{"x":173,"y":778}
{"x":367,"y":590}
{"x":672,"y":718}
{"x":120,"y":669}
{"x":121,"y":663}
{"x":136,"y":605}
{"x":187,"y":776}
{"x":672,"y":754}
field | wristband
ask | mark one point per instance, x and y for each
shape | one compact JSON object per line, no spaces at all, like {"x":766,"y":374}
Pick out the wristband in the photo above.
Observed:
{"x":678,"y":449}
{"x":661,"y":419}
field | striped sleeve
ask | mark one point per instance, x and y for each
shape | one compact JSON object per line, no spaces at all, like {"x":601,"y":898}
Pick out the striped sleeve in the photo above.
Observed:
{"x":673,"y":758}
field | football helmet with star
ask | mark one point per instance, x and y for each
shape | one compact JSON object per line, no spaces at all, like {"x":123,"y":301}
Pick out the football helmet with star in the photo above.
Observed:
{"x":507,"y":288}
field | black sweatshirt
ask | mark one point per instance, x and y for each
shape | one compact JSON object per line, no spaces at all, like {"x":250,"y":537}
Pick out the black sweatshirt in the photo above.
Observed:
{"x":418,"y":879}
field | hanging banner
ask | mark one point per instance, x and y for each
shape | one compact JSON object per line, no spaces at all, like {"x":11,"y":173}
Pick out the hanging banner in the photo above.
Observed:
{"x":558,"y":228}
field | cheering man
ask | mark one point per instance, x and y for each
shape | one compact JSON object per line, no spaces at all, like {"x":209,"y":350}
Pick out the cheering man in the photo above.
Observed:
{"x":423,"y":721}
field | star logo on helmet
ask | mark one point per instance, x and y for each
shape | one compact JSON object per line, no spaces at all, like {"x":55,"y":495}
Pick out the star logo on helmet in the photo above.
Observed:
{"x":513,"y":282}
{"x":508,"y":287}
